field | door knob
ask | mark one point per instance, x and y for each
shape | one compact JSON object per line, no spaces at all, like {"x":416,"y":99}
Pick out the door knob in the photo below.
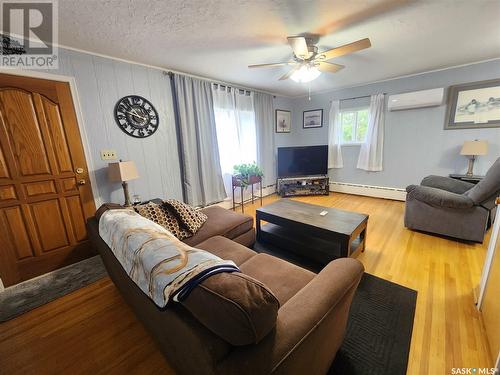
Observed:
{"x":81,"y":182}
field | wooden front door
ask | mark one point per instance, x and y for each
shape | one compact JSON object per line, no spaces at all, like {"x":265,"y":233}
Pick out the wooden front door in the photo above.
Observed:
{"x":45,"y":192}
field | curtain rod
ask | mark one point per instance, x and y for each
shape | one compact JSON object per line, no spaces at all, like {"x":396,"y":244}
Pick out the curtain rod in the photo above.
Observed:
{"x":357,"y":97}
{"x":171,"y":73}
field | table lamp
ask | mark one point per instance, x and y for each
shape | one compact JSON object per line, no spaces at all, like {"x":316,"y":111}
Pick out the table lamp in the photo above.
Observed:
{"x":123,"y":171}
{"x":473,"y":149}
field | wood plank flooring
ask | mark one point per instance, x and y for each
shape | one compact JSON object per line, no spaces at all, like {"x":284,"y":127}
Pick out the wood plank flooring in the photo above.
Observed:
{"x":92,"y":330}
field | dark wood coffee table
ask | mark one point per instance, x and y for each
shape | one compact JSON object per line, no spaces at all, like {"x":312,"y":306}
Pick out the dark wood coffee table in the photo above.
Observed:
{"x":299,"y":227}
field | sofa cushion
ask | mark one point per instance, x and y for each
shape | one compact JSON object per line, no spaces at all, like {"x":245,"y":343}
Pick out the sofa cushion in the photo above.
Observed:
{"x":246,"y":239}
{"x":234,"y":306}
{"x":283,"y":278}
{"x":227,"y":249}
{"x":488,"y":186}
{"x":163,"y":216}
{"x":190,"y":218}
{"x":221,"y":222}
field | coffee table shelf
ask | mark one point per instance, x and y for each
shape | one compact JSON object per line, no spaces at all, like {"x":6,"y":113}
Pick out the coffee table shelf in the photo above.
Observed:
{"x":298,"y":228}
{"x":295,"y":186}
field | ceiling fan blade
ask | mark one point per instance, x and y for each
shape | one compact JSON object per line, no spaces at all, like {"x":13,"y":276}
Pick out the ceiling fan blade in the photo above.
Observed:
{"x":268,"y":65}
{"x":346,"y":49}
{"x":289,"y":73}
{"x":329,"y":67}
{"x":299,"y":46}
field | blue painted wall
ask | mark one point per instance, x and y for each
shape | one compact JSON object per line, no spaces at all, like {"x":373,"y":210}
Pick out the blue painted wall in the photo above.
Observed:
{"x":416,"y":144}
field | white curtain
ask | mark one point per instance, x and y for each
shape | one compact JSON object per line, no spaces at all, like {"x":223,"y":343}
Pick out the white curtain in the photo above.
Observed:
{"x":235,"y":123}
{"x":334,"y":137}
{"x":372,"y":151}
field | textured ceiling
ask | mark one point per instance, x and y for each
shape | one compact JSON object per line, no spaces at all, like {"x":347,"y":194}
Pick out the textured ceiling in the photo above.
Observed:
{"x":219,"y":38}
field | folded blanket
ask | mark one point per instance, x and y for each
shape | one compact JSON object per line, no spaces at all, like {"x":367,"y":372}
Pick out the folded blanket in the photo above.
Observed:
{"x":161,"y":265}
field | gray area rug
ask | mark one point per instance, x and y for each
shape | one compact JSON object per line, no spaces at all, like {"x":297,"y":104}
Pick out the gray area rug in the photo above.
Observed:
{"x":23,"y":297}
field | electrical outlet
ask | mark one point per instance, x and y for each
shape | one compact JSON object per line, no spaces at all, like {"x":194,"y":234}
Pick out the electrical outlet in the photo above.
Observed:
{"x":108,"y":154}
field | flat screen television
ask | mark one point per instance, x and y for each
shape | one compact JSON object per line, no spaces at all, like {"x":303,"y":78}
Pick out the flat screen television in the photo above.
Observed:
{"x":302,"y":161}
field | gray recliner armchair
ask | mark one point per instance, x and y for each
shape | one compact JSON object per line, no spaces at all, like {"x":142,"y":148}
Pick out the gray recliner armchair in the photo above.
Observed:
{"x":452,"y":207}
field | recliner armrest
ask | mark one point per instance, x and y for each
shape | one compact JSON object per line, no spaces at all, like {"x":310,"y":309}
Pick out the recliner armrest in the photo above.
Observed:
{"x":447,"y":183}
{"x":438,"y":197}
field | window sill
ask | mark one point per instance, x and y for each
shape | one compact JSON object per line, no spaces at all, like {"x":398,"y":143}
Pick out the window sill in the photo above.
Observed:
{"x":351,"y":144}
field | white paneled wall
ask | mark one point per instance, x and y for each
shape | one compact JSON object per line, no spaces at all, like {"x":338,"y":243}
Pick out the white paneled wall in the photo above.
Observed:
{"x":100,"y":83}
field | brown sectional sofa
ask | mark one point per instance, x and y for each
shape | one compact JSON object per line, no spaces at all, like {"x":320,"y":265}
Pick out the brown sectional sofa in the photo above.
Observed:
{"x":226,"y":223}
{"x":307,"y":330}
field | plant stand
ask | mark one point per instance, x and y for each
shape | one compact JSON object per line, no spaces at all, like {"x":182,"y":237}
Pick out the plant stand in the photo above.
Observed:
{"x":237,"y":183}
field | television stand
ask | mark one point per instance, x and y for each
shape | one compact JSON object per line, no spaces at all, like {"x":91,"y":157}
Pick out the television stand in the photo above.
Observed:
{"x":304,"y":185}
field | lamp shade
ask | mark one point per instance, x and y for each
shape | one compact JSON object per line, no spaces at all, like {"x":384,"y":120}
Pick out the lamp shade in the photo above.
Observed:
{"x":474,"y":148}
{"x":122,"y":171}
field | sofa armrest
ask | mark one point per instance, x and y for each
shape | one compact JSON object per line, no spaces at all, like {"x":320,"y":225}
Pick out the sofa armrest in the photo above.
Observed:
{"x":447,"y":183}
{"x":310,"y":326}
{"x":438,"y":197}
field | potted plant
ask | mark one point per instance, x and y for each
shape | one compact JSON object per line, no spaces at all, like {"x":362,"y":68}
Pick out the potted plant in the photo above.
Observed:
{"x":247,"y":174}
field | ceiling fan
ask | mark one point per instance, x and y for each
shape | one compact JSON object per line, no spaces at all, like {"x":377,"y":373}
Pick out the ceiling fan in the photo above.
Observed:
{"x":308,"y":62}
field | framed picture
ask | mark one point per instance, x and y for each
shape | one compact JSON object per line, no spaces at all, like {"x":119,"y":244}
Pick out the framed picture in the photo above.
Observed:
{"x":312,"y":119}
{"x":474,"y":105}
{"x":283,"y":121}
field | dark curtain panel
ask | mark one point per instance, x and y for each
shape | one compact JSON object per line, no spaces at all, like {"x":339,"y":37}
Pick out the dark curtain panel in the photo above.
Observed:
{"x":199,"y":153}
{"x":264,"y":127}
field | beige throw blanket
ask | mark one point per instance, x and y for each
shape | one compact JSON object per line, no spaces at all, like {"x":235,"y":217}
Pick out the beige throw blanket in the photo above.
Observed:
{"x":161,"y":265}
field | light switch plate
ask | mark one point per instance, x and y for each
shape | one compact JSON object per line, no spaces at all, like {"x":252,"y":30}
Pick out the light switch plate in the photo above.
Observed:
{"x":108,"y":154}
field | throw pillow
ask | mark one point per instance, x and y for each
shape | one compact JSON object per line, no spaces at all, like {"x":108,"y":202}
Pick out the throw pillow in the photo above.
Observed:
{"x":191,"y":218}
{"x":162,"y":216}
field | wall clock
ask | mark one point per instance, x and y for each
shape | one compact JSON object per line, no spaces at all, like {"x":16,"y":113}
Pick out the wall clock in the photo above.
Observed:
{"x":136,"y":116}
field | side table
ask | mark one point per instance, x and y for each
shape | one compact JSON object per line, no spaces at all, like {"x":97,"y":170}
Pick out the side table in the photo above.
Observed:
{"x":237,"y":183}
{"x":474,"y":179}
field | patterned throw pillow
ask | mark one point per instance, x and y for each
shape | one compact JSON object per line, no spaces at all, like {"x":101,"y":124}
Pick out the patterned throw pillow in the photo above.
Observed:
{"x":162,"y":216}
{"x":191,"y":218}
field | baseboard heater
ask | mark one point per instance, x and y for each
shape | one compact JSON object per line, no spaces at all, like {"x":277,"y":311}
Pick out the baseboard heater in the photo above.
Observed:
{"x":369,"y":190}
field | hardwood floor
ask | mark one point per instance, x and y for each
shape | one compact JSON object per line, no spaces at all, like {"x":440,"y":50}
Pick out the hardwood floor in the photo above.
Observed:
{"x":93,"y":331}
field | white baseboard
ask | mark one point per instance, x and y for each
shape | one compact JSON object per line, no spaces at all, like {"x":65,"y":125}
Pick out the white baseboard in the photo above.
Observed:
{"x":369,"y":190}
{"x":339,"y":187}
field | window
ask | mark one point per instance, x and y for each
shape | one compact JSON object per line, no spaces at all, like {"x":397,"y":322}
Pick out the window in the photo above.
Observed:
{"x":236,"y":133}
{"x":354,"y":124}
{"x":236,"y":137}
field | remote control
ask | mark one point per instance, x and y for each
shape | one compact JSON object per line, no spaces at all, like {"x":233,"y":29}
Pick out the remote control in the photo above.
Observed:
{"x":323,"y":213}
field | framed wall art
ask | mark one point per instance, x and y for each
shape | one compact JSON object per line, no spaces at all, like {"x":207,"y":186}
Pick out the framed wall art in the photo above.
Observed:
{"x":474,"y":105}
{"x":312,"y":119}
{"x":283,"y":121}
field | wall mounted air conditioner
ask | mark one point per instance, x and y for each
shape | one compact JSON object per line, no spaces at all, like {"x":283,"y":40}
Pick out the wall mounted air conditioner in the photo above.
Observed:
{"x":416,"y":99}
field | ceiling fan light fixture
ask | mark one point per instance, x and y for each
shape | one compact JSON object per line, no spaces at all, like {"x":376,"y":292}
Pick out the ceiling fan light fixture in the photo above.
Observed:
{"x":306,"y":73}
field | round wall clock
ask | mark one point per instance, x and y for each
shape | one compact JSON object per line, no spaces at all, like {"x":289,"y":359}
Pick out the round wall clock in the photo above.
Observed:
{"x":136,"y":116}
